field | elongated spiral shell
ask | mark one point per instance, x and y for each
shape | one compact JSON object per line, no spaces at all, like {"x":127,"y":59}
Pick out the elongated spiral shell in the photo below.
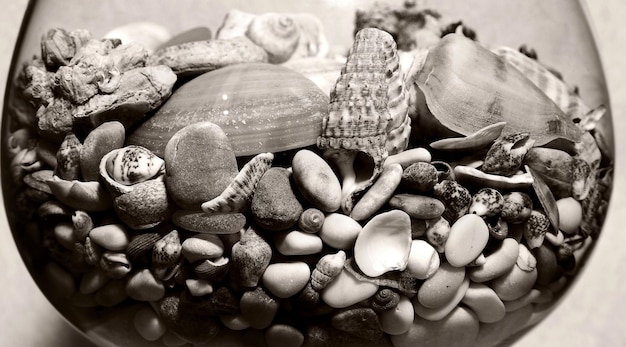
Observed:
{"x":326,"y":269}
{"x":236,"y":197}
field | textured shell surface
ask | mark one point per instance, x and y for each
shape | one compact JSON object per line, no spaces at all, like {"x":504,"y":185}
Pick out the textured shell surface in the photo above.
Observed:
{"x":237,"y":195}
{"x":134,"y":164}
{"x":468,"y":87}
{"x":368,"y":107}
{"x":260,"y":107}
{"x":326,"y":269}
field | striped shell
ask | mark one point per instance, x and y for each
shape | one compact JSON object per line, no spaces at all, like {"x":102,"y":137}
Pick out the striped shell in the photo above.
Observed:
{"x":68,"y":158}
{"x":326,"y":269}
{"x":212,"y":269}
{"x":167,"y":256}
{"x":140,"y":244}
{"x":367,"y":112}
{"x":236,"y":197}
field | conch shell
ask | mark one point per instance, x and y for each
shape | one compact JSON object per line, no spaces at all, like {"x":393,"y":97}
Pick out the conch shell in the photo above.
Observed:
{"x":367,"y":112}
{"x":467,"y":87}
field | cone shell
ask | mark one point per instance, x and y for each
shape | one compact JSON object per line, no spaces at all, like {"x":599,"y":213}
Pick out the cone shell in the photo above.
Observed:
{"x":260,"y":107}
{"x":249,"y":259}
{"x":467,"y":87}
{"x":368,"y":105}
{"x":167,"y":256}
{"x":236,"y":197}
{"x":133,"y":164}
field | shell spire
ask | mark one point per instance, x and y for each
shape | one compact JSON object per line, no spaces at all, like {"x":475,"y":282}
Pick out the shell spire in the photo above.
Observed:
{"x":367,"y":113}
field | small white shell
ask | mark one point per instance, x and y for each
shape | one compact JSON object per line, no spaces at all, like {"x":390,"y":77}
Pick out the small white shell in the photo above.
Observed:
{"x":384,"y":243}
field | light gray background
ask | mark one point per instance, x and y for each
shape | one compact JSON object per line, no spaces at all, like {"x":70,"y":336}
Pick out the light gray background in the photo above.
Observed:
{"x":591,"y":315}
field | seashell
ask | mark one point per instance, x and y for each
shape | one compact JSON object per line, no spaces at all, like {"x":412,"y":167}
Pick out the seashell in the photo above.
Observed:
{"x":468,"y":175}
{"x":367,"y":113}
{"x":505,"y":156}
{"x":115,"y":264}
{"x":82,"y":223}
{"x":480,"y":94}
{"x":400,"y":280}
{"x":498,"y":230}
{"x":324,"y":72}
{"x":409,"y":156}
{"x":486,"y":202}
{"x":68,"y":158}
{"x":235,"y":24}
{"x":133,"y":164}
{"x":197,"y":57}
{"x":385,"y":299}
{"x":583,"y":179}
{"x":384,"y":243}
{"x":312,"y":41}
{"x":212,"y":269}
{"x":546,"y":198}
{"x":100,"y":141}
{"x":361,"y":322}
{"x":455,"y":197}
{"x":87,"y":196}
{"x":437,"y":233}
{"x":564,"y":96}
{"x":167,"y":256}
{"x":236,"y":197}
{"x":473,"y":141}
{"x":517,"y":207}
{"x":535,"y":229}
{"x":250,"y":256}
{"x":141,"y":244}
{"x":260,"y":107}
{"x":311,"y":220}
{"x":258,"y":308}
{"x":18,"y":140}
{"x":54,"y":208}
{"x":276,"y":33}
{"x":148,"y":34}
{"x":93,"y":252}
{"x":420,"y":177}
{"x":24,"y":162}
{"x":37,"y":180}
{"x":326,"y":269}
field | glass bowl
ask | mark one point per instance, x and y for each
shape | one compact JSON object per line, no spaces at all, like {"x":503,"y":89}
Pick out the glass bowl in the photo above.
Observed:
{"x":95,"y":294}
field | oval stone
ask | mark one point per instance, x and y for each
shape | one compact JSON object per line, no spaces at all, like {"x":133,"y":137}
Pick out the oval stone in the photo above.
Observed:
{"x":199,"y":164}
{"x":100,"y":141}
{"x":459,"y":328}
{"x":207,"y":246}
{"x":143,"y":286}
{"x":286,"y":279}
{"x":439,"y":289}
{"x":339,"y":231}
{"x":200,"y":222}
{"x":274,"y":205}
{"x":260,"y":107}
{"x":298,"y":243}
{"x":398,"y":320}
{"x":113,"y":237}
{"x":484,"y":302}
{"x":282,"y":335}
{"x":466,"y":241}
{"x":418,"y":206}
{"x":316,"y":181}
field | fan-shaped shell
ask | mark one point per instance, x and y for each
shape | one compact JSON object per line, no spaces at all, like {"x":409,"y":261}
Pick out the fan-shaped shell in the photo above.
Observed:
{"x":467,"y":87}
{"x":260,"y":107}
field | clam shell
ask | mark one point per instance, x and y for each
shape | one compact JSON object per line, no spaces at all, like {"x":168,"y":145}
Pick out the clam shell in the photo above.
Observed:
{"x":384,"y":243}
{"x":260,"y":107}
{"x":467,"y":87}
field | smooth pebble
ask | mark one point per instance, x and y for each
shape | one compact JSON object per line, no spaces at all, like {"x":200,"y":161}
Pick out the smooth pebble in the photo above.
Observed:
{"x":204,"y":246}
{"x":274,"y":204}
{"x":286,"y":279}
{"x":399,"y":319}
{"x":497,"y":263}
{"x":423,"y":260}
{"x":570,"y":215}
{"x":198,"y":286}
{"x":64,"y":234}
{"x":339,"y":231}
{"x":484,"y":302}
{"x":92,"y":281}
{"x":258,"y":308}
{"x":316,"y":181}
{"x":113,"y":237}
{"x":234,"y":321}
{"x":379,"y":193}
{"x":148,"y":324}
{"x":438,"y":313}
{"x":441,"y":287}
{"x":467,"y":239}
{"x":100,"y":141}
{"x":143,"y":286}
{"x":199,"y":164}
{"x":520,"y":279}
{"x":283,"y":335}
{"x":297,"y":243}
{"x":419,"y":177}
{"x":459,"y":328}
{"x":418,"y":206}
{"x":200,"y":222}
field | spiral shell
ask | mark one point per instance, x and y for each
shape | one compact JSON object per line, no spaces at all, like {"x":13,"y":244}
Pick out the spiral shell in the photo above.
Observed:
{"x":311,"y":220}
{"x":367,"y":112}
{"x":277,"y":33}
{"x":167,"y":256}
{"x":326,"y":269}
{"x":68,"y":158}
{"x":385,"y":299}
{"x":236,"y":197}
{"x":133,"y":164}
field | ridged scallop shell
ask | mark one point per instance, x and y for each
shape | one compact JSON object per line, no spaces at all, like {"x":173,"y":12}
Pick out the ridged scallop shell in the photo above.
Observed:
{"x":367,"y":112}
{"x":326,"y":269}
{"x":140,"y":244}
{"x":236,"y":197}
{"x":277,"y":33}
{"x":260,"y":107}
{"x":468,"y":87}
